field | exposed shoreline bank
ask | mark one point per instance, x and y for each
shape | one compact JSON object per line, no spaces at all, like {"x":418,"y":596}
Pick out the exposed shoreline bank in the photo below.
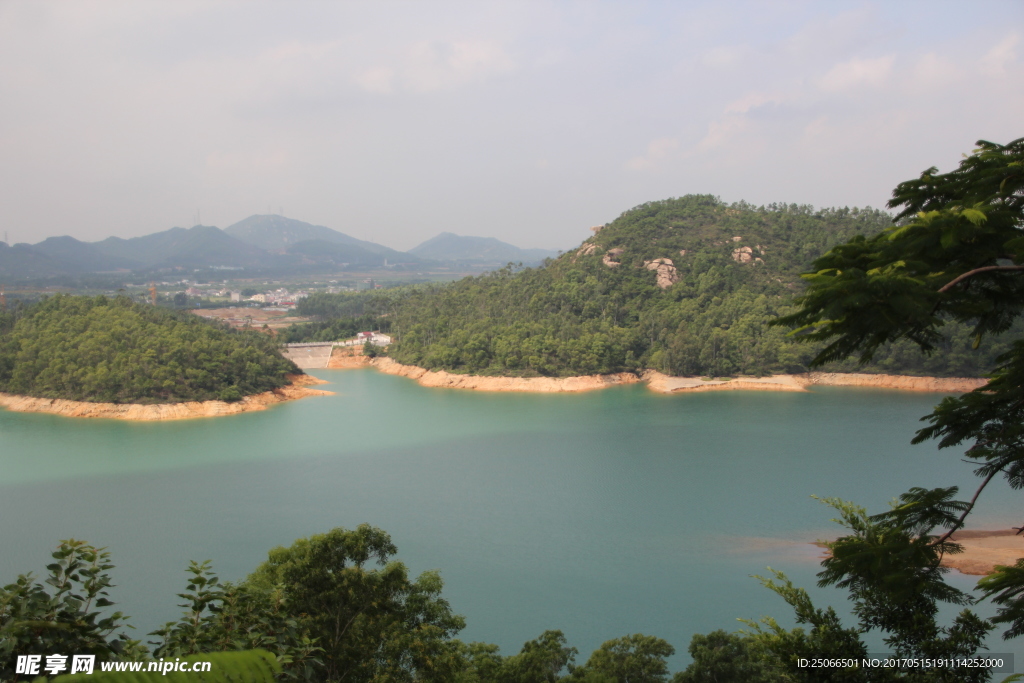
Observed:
{"x":657,"y":381}
{"x":298,"y":388}
{"x":983,"y":550}
{"x":447,"y":380}
{"x":955,"y":385}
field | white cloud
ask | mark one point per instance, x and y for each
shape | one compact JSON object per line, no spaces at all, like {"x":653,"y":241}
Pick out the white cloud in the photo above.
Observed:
{"x":657,"y":151}
{"x":750,"y":102}
{"x":856,"y":73}
{"x":379,"y":79}
{"x":997,"y":60}
{"x":724,"y":56}
{"x":835,"y":34}
{"x":251,"y":162}
{"x":725,"y":130}
{"x":735,"y":120}
{"x":137,"y":114}
{"x":932,"y":70}
{"x":817,"y":130}
{"x":434,"y":66}
{"x":885,"y":117}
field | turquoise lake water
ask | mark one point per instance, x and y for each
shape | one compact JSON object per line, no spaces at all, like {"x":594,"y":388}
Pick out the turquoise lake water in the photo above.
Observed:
{"x":600,"y":514}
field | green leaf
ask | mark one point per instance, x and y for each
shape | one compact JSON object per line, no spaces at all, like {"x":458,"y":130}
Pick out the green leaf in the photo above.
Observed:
{"x":974,"y":216}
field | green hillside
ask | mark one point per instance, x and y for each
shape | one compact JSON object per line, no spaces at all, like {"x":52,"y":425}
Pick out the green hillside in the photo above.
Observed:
{"x":114,"y":350}
{"x":685,"y":286}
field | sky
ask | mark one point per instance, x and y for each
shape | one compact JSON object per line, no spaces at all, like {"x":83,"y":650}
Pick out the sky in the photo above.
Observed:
{"x":529,"y":121}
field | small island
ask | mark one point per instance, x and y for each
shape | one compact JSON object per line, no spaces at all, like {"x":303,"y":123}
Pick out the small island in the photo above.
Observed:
{"x":115,"y":358}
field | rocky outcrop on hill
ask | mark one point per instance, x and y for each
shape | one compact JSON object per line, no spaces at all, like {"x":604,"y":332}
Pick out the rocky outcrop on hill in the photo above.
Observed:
{"x":585,"y":250}
{"x":743,"y":254}
{"x":611,"y":258}
{"x":666,"y":270}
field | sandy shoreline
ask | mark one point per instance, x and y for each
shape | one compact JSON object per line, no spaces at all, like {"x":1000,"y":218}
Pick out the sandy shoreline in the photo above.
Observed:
{"x":348,"y":358}
{"x":983,"y":550}
{"x":299,"y":388}
{"x":656,"y":381}
{"x":667,"y":384}
{"x":440,"y":378}
{"x":955,"y":385}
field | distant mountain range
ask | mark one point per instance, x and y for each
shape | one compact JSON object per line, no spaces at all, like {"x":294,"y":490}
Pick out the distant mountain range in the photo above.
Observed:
{"x":196,"y":247}
{"x":260,"y":242}
{"x":482,"y":250}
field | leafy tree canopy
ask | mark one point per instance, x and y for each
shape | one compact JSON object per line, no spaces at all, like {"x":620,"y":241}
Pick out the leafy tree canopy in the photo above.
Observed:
{"x":254,"y":666}
{"x":67,"y":614}
{"x":334,"y":606}
{"x":635,"y":658}
{"x":956,"y":256}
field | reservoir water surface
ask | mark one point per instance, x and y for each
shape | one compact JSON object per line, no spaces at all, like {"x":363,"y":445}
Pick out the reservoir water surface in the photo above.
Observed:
{"x":600,"y":514}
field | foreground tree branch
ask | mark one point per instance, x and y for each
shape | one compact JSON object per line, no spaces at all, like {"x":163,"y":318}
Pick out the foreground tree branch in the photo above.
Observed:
{"x":970,"y":506}
{"x":977,"y":271}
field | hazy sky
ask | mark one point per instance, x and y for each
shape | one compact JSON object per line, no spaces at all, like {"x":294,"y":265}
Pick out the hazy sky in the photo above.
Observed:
{"x":526,"y":121}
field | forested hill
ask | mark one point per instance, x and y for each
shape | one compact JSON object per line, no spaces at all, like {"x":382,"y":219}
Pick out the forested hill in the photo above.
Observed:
{"x":686,"y":286}
{"x":114,"y":350}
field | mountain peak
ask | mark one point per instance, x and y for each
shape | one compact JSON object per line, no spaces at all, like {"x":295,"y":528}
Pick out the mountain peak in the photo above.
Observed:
{"x":448,"y":246}
{"x":277,"y":233}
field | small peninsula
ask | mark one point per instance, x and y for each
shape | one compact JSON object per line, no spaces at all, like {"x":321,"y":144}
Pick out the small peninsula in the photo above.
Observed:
{"x":687,"y":287}
{"x":116,"y":358}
